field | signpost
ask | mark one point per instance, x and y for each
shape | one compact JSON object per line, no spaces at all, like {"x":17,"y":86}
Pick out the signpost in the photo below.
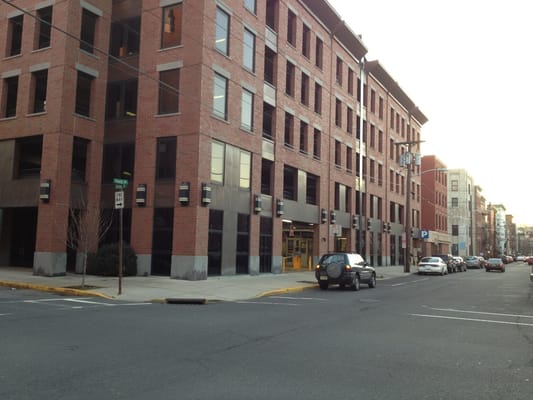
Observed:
{"x":120,"y":185}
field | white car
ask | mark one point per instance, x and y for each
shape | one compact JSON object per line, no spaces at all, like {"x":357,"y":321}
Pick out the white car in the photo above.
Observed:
{"x":432,"y":265}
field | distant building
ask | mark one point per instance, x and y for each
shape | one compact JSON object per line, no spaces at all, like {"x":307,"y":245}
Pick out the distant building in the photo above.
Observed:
{"x":461,"y":212}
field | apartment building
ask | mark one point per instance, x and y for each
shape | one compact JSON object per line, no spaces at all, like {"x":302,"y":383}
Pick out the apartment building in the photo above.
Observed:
{"x":437,"y":238}
{"x":253,"y":135}
{"x":461,"y":212}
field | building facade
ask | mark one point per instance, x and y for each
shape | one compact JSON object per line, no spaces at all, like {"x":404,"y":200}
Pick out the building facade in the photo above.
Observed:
{"x":253,"y":135}
{"x":461,"y":212}
{"x":434,"y":207}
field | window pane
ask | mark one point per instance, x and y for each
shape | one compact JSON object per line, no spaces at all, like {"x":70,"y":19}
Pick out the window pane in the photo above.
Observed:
{"x":166,"y":158}
{"x":247,"y":105}
{"x":250,"y":5}
{"x":79,"y":159}
{"x":249,"y":50}
{"x":40,"y":79}
{"x":83,"y":94}
{"x":222,"y":32}
{"x":88,"y":30}
{"x":217,"y":162}
{"x":219,"y":97}
{"x":15,"y":29}
{"x":10,"y":96}
{"x":44,"y":27}
{"x":169,"y":91}
{"x":245,"y":168}
{"x":171,"y":30}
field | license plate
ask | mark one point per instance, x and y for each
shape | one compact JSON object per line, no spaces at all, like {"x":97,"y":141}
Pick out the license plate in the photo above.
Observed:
{"x":323,"y":277}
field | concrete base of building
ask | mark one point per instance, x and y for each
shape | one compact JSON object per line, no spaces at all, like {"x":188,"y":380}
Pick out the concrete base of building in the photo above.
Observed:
{"x":190,"y":268}
{"x":253,"y":267}
{"x":79,"y":263}
{"x":144,"y":264}
{"x":49,"y":264}
{"x":277,"y":264}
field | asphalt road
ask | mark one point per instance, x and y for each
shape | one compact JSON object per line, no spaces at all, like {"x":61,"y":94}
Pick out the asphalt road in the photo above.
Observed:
{"x":462,"y":336}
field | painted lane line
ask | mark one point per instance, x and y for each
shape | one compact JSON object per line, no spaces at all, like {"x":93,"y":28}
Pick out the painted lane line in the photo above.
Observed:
{"x":51,"y":300}
{"x":481,"y":312}
{"x":298,"y":298}
{"x":4,"y":315}
{"x":268,"y":303}
{"x":86,"y":302}
{"x":407,"y":283}
{"x":490,"y":321}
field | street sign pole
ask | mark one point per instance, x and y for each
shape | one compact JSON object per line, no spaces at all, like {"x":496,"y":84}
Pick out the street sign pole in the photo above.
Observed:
{"x":119,"y":203}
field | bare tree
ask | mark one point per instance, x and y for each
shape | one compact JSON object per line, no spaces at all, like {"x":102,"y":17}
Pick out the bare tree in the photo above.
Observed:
{"x":87,"y":227}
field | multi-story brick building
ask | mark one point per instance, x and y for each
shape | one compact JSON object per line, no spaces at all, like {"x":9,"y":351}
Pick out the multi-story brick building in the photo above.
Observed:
{"x":435,"y":207}
{"x":253,"y":134}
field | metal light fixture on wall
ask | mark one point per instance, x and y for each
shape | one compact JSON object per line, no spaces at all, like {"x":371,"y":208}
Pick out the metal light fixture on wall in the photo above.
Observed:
{"x":280,"y":207}
{"x":355,"y":222}
{"x":44,"y":190}
{"x":257,"y":203}
{"x":323,"y":216}
{"x":206,"y":194}
{"x":332,"y":217}
{"x":140,"y":195}
{"x":184,"y":193}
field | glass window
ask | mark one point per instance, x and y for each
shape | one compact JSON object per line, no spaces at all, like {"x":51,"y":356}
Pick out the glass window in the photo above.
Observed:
{"x":166,"y":158}
{"x":39,"y":84}
{"x":303,"y":137}
{"x":250,"y":5}
{"x":118,"y":158}
{"x":312,"y":189}
{"x":289,"y":129}
{"x":121,"y":99}
{"x":217,"y":162}
{"x":289,"y":79}
{"x":220,"y":97}
{"x":245,"y":170}
{"x":15,"y":35}
{"x":319,"y":50}
{"x":171,"y":29}
{"x":88,"y":31}
{"x":266,"y":176}
{"x":10,"y":95}
{"x":304,"y":92}
{"x":318,"y":98}
{"x":290,"y":183}
{"x":247,"y":110}
{"x":169,"y":86}
{"x":291,"y":28}
{"x":43,"y":28}
{"x":28,"y":155}
{"x":316,"y":143}
{"x":248,"y":55}
{"x":306,"y":41}
{"x":222,"y":31}
{"x":83,"y":94}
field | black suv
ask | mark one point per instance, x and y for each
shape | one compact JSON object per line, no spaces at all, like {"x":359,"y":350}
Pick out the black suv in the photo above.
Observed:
{"x":448,"y":260}
{"x":344,"y":269}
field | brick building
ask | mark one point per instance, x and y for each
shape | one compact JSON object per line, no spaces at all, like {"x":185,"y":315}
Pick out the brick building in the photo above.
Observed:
{"x":253,"y":134}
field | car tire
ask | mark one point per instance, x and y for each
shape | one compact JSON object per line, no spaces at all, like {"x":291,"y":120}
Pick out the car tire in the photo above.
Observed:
{"x":442,"y":273}
{"x":323,"y":285}
{"x":503,"y":269}
{"x":486,"y":270}
{"x":372,"y":282}
{"x":356,"y":283}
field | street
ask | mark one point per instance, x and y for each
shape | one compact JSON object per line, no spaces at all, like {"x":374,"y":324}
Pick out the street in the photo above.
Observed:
{"x":463,"y":336}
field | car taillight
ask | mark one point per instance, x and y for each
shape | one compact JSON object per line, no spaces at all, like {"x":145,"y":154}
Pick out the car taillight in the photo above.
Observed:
{"x":317,"y":266}
{"x":347,"y":267}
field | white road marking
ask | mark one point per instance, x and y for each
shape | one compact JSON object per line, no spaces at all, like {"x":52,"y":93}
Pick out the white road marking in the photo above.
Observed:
{"x":3,"y":315}
{"x":481,"y":312}
{"x":407,"y":283}
{"x":471,"y":319}
{"x":87,"y":302}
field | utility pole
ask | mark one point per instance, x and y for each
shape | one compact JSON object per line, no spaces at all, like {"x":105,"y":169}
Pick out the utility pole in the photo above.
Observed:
{"x":408,"y":163}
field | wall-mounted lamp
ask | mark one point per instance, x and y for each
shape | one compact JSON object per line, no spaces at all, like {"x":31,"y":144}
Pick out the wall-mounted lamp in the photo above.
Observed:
{"x":280,"y":208}
{"x":369,"y":224}
{"x":323,"y":216}
{"x":332,"y":217}
{"x":44,"y":191}
{"x":140,"y":195}
{"x":257,"y":203}
{"x":355,"y":222}
{"x":206,"y":194}
{"x":184,"y":193}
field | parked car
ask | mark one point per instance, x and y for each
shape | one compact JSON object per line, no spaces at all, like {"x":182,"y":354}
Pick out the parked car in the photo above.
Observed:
{"x":495,"y":264}
{"x":483,"y":261}
{"x":344,"y":269}
{"x":473,"y":262}
{"x":531,"y":274}
{"x":459,"y":263}
{"x":432,"y":265}
{"x":448,"y":259}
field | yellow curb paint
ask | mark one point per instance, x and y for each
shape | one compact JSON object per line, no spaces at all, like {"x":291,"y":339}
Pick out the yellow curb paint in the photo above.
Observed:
{"x":52,"y":289}
{"x":285,"y":290}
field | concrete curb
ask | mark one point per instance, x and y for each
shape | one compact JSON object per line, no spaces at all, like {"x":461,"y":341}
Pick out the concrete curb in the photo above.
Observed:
{"x":285,"y":290}
{"x":52,"y":289}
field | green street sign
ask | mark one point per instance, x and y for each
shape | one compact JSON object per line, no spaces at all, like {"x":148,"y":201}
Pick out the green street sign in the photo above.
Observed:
{"x":119,"y":181}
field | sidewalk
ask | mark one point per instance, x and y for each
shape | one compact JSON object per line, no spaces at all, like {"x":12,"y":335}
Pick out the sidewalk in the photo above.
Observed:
{"x":164,"y":289}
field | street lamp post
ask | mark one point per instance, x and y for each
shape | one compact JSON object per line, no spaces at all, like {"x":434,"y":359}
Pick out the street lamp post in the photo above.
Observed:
{"x":408,"y":161}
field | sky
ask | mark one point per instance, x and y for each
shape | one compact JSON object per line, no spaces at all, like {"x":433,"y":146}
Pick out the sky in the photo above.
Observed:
{"x":468,"y":66}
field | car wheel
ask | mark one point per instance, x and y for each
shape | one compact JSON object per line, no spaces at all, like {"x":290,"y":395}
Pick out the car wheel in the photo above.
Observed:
{"x":486,"y":270}
{"x":372,"y":283}
{"x":341,"y":285}
{"x":356,"y":283}
{"x":503,"y":269}
{"x":323,"y":285}
{"x":442,"y":272}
